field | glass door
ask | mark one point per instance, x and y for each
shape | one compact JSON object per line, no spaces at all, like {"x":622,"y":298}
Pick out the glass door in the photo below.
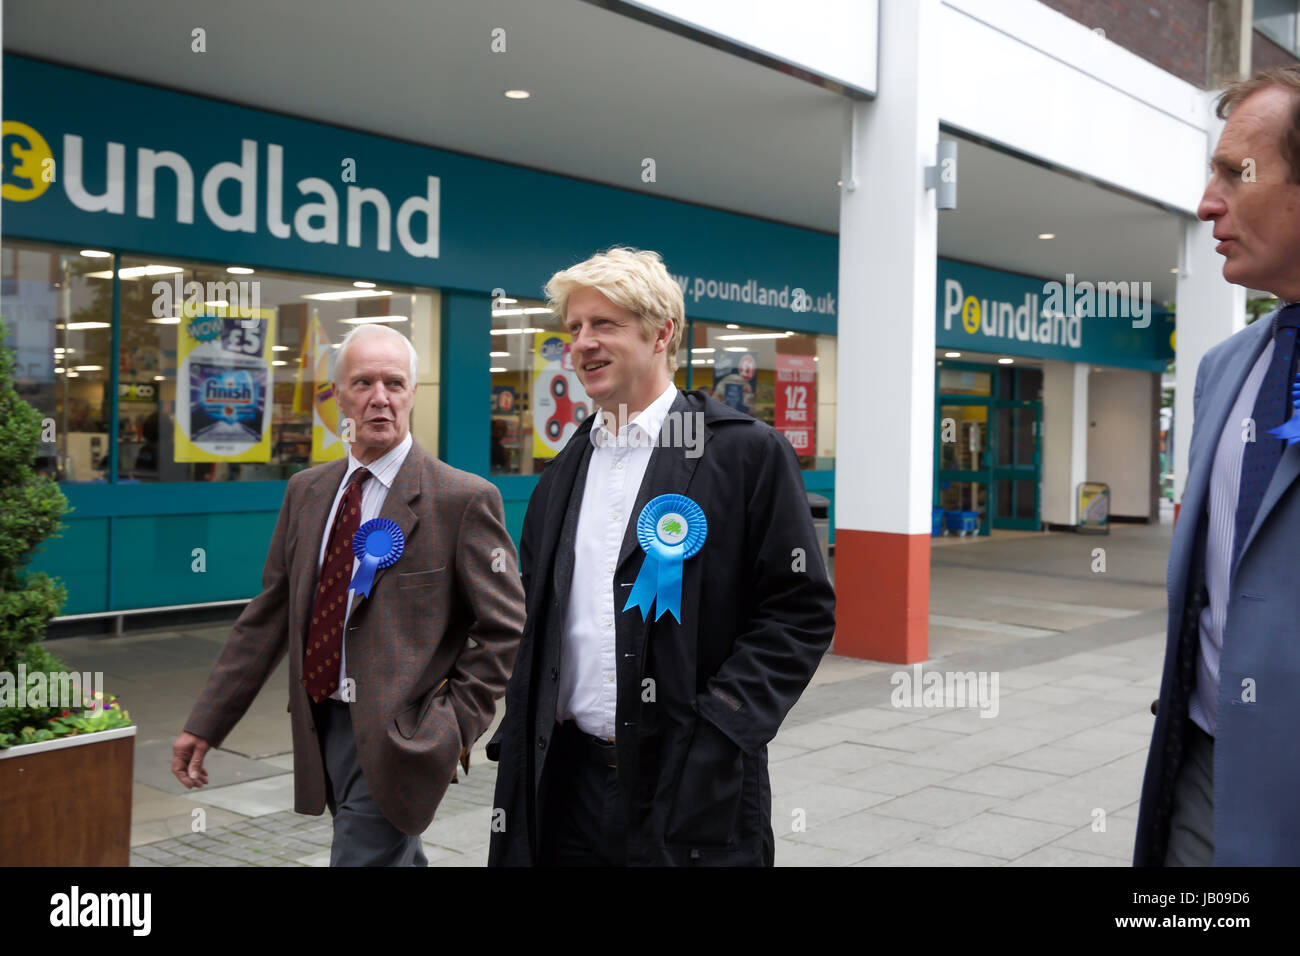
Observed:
{"x":964,"y":475}
{"x":1016,"y":428}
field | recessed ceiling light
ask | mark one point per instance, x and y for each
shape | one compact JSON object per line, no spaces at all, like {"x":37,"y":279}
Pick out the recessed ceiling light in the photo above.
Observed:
{"x":730,"y":326}
{"x":160,"y":378}
{"x":1174,"y":270}
{"x":348,"y":294}
{"x":95,"y":253}
{"x":370,"y":319}
{"x":83,"y":326}
{"x":497,"y":368}
{"x":703,"y":351}
{"x":1047,"y":235}
{"x":239,"y":270}
{"x":279,"y":348}
{"x":952,"y":355}
{"x":517,"y":94}
{"x":279,"y":362}
{"x":89,"y":368}
{"x":505,"y":301}
{"x":364,"y":285}
{"x":498,"y":355}
{"x":134,"y":272}
{"x":1005,"y":361}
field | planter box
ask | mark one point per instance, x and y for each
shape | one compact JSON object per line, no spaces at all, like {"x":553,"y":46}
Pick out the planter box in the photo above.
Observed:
{"x":67,"y":802}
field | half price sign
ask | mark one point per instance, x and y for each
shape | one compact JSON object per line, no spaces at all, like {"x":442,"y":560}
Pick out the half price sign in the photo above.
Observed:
{"x":796,"y":401}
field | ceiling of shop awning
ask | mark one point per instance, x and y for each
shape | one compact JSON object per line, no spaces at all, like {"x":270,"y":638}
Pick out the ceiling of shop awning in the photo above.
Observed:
{"x":608,"y":91}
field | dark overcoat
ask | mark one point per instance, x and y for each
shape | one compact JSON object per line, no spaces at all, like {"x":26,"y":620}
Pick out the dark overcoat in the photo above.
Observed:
{"x":698,"y":700}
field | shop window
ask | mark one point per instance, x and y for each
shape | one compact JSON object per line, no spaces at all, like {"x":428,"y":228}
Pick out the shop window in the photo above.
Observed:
{"x":784,"y":378}
{"x":227,"y":375}
{"x":537,"y":401}
{"x":60,"y":326}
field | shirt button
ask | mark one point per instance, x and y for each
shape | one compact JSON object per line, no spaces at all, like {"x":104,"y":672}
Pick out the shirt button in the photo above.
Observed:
{"x":619,"y":466}
{"x":541,"y":743}
{"x":609,"y":677}
{"x":613,"y":516}
{"x":609,"y":622}
{"x":610,"y":567}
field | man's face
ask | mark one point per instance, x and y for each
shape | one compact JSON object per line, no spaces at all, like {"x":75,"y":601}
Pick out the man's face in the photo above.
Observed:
{"x":614,"y":361}
{"x":1257,"y":223}
{"x":377,"y":394}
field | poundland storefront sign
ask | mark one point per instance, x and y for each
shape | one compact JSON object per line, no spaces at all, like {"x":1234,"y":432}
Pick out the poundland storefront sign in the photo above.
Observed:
{"x":89,"y":160}
{"x":1105,"y":323}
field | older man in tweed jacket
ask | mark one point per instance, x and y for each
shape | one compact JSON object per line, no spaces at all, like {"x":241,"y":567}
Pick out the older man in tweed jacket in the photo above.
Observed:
{"x":386,"y":690}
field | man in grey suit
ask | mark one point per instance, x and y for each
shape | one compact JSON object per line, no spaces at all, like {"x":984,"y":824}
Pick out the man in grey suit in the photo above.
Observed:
{"x":1224,"y":767}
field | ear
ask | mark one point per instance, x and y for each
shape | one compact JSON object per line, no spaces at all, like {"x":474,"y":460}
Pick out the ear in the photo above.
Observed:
{"x":664,"y":336}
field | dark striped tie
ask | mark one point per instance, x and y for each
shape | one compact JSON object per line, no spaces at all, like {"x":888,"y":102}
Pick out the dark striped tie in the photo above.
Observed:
{"x":1272,"y":408}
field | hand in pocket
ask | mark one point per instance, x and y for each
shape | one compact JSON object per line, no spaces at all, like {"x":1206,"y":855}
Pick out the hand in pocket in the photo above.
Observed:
{"x":707,"y":802}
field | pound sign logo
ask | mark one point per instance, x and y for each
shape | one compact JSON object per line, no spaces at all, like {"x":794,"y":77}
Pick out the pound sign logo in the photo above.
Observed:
{"x":24,"y":155}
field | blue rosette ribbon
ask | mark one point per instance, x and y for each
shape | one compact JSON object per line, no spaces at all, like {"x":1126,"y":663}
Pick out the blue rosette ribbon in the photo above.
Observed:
{"x":670,"y":529}
{"x":1290,"y":430}
{"x":377,"y":544}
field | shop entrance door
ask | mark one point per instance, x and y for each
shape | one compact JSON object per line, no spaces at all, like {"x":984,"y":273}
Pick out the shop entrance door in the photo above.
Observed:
{"x":987,"y":459}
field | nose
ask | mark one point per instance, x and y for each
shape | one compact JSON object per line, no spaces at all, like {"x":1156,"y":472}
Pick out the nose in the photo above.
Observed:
{"x":379,"y":396}
{"x":1212,"y":204}
{"x":581,"y":342}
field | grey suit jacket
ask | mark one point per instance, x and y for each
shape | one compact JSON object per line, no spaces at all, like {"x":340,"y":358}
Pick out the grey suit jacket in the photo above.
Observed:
{"x":1257,"y":733}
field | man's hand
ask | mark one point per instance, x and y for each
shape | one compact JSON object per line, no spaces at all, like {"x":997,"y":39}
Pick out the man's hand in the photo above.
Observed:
{"x":187,"y":760}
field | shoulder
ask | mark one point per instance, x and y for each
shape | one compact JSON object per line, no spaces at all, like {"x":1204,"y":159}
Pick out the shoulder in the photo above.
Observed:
{"x":449,"y":482}
{"x":732,"y":429}
{"x":1241,"y":340}
{"x":328,"y":474}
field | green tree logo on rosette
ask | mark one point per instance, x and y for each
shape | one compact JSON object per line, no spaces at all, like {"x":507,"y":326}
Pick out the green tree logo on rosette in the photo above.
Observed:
{"x":670,"y":529}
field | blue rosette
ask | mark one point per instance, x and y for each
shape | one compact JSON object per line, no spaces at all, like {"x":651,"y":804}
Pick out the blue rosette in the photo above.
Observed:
{"x":1290,"y":430}
{"x":670,"y":529}
{"x":377,"y":544}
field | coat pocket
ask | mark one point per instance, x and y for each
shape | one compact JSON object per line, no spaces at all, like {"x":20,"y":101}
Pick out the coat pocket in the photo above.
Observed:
{"x":420,"y":579}
{"x":706,"y":807}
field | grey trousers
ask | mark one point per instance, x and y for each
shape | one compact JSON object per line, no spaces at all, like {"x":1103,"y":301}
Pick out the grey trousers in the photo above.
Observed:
{"x":1191,"y":830}
{"x":362,"y":834}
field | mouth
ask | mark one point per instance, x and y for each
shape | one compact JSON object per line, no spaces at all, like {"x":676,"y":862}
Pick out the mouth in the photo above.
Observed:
{"x":590,"y":367}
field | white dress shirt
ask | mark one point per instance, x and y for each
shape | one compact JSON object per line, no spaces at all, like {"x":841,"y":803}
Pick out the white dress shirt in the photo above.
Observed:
{"x":373,"y":494}
{"x":588,"y":688}
{"x":1221,"y":508}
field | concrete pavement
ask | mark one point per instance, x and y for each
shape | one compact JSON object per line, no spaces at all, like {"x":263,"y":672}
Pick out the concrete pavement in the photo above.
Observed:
{"x":1071,"y":636}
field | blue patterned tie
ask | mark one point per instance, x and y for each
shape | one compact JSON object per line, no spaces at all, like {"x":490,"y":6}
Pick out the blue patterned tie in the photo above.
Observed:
{"x":1272,"y":408}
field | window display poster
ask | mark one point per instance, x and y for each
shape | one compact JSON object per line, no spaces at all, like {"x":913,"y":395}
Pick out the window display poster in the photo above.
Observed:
{"x":735,"y":375}
{"x":560,"y":404}
{"x":796,"y":401}
{"x":316,"y":378}
{"x":223,"y":387}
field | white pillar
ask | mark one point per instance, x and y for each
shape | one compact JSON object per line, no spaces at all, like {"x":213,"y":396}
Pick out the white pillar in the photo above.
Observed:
{"x":885,"y":428}
{"x":1208,"y":309}
{"x":1065,"y":439}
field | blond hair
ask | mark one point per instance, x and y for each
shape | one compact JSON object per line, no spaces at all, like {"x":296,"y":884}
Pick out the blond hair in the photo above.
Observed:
{"x":632,"y":278}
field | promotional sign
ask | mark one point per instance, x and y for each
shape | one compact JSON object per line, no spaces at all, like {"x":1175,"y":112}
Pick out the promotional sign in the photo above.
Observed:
{"x":223,"y":388}
{"x":560,"y":404}
{"x":796,"y":401}
{"x":316,"y":379}
{"x":735,"y":375}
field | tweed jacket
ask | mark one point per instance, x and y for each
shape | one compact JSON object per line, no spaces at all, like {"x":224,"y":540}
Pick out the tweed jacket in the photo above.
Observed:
{"x":430,"y":649}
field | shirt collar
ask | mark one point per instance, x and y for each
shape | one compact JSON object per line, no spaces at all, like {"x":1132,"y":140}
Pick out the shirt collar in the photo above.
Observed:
{"x":650,"y":420}
{"x":386,"y":466}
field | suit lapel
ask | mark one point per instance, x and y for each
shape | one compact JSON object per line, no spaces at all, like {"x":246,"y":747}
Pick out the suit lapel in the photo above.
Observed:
{"x":561,"y":487}
{"x":1219,"y":399}
{"x":668,"y":472}
{"x":1287,"y":471}
{"x":405,"y":489}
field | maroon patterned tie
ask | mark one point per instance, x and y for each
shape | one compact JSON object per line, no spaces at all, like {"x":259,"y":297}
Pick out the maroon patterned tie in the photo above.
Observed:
{"x":320,"y":665}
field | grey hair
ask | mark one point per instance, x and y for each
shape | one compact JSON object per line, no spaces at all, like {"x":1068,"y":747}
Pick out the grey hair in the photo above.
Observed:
{"x":370,"y":330}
